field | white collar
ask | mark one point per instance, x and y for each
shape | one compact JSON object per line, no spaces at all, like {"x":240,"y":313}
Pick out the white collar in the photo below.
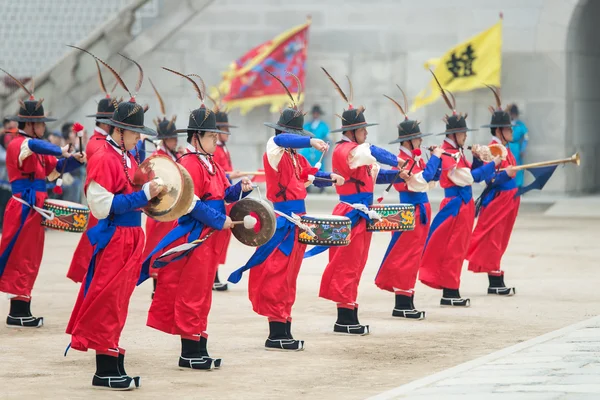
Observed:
{"x":451,"y":142}
{"x":345,"y":139}
{"x":496,"y":140}
{"x":100,"y":131}
{"x":117,"y":148}
{"x":406,"y":151}
{"x":219,"y":143}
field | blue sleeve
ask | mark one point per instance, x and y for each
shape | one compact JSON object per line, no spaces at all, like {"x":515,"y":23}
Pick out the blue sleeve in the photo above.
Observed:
{"x":232,"y":193}
{"x":499,"y":178}
{"x":387,"y":176}
{"x":322,"y":174}
{"x":71,"y":164}
{"x":484,"y":173}
{"x":431,"y":168}
{"x":477,"y":163}
{"x":208,"y":215}
{"x":292,"y":141}
{"x":124,"y":203}
{"x":383,"y":156}
{"x":42,"y":147}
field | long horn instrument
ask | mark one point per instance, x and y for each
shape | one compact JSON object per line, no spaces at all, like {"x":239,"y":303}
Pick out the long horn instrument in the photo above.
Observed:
{"x":574,"y":159}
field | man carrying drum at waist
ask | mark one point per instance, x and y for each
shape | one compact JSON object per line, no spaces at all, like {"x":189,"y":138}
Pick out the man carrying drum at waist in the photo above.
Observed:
{"x":274,"y":266}
{"x":355,"y":160}
{"x":29,"y":161}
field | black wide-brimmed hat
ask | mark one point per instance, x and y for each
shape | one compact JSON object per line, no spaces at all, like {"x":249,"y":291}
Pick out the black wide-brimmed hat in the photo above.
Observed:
{"x":106,"y":106}
{"x":220,"y":113}
{"x":457,"y":122}
{"x":201,"y":119}
{"x":165,"y":128}
{"x":352,"y":118}
{"x":129,"y":115}
{"x":500,"y":117}
{"x":30,"y":110}
{"x":407,"y":129}
{"x":291,"y":119}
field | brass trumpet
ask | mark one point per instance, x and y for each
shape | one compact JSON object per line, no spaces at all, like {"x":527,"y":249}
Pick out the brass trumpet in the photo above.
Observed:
{"x":574,"y":159}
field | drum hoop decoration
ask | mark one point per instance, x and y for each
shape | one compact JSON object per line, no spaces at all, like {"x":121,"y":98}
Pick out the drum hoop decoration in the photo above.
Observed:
{"x":66,"y":227}
{"x":314,"y":221}
{"x":378,"y":226}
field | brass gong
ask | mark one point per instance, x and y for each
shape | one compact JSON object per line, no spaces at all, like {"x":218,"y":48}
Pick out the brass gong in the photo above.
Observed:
{"x":265,"y":226}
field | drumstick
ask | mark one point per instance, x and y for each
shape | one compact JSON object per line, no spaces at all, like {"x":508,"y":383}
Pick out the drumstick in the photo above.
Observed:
{"x":387,"y":190}
{"x":78,"y":128}
{"x":445,"y":153}
{"x":318,"y":165}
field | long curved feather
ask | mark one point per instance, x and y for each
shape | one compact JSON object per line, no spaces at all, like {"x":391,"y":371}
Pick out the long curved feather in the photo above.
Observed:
{"x":405,"y":98}
{"x":161,"y":103}
{"x":117,"y":77}
{"x":446,"y":99}
{"x":285,"y":87}
{"x":202,"y":85}
{"x":398,"y":106}
{"x":138,"y":84}
{"x":100,"y":79}
{"x":496,"y":96}
{"x":336,"y":86}
{"x":18,"y":82}
{"x":216,"y":105}
{"x":351,"y":97}
{"x":193,"y":82}
{"x":453,"y":98}
{"x":299,"y":86}
{"x":32,"y":86}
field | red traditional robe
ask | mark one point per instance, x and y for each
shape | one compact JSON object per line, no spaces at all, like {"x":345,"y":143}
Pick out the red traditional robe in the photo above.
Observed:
{"x":156,"y":230}
{"x":398,"y":271}
{"x":99,"y":316}
{"x":223,"y":158}
{"x":342,"y":275}
{"x":183,"y":295}
{"x":494,"y":226}
{"x":83,"y":251}
{"x":24,"y":261}
{"x":272,"y":284}
{"x":447,"y":247}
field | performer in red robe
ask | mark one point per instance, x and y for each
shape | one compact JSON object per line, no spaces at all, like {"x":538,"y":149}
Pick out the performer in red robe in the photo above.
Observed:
{"x":223,"y":158}
{"x":355,"y":160}
{"x":448,"y":239}
{"x":83,"y":251}
{"x":498,"y":208}
{"x":400,"y":265}
{"x":101,"y":308}
{"x":167,"y":147}
{"x":274,"y":267}
{"x":183,"y":295}
{"x":29,"y":161}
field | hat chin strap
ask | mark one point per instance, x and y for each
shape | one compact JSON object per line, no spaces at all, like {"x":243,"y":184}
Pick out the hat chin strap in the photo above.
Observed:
{"x":203,"y":152}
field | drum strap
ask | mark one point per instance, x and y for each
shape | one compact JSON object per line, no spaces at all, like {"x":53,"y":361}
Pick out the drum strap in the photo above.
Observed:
{"x":27,"y":189}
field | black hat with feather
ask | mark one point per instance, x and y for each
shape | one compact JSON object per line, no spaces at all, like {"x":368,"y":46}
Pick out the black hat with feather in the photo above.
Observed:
{"x":407,"y":129}
{"x":291,"y":119}
{"x":128,"y":115}
{"x":201,"y":119}
{"x":106,"y":106}
{"x":165,"y":127}
{"x":220,"y":113}
{"x":457,"y":122}
{"x":352,"y":118}
{"x":30,"y":110}
{"x":500,"y":117}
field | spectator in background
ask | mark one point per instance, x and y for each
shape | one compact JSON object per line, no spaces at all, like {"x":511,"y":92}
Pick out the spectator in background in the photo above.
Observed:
{"x":73,"y":181}
{"x":321,"y":131}
{"x":520,"y":138}
{"x":55,"y":137}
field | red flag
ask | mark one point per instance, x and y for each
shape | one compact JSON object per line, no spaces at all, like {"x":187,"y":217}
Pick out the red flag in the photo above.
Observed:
{"x":247,"y":84}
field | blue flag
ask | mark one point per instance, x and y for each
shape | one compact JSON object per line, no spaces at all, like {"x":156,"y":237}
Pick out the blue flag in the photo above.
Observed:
{"x":541,"y":175}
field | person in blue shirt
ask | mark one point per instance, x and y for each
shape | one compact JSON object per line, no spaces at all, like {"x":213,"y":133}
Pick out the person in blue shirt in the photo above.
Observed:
{"x":520,"y":138}
{"x":320,"y":130}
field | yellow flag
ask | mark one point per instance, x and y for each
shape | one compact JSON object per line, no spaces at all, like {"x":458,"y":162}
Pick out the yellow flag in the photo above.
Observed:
{"x":469,"y":65}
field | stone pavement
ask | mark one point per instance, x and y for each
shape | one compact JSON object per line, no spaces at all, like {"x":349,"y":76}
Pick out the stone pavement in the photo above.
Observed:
{"x":564,"y":364}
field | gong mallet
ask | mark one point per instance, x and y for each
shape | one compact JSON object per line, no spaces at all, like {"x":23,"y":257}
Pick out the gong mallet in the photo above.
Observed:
{"x":249,"y":222}
{"x":319,"y":163}
{"x":78,"y":128}
{"x":387,"y":189}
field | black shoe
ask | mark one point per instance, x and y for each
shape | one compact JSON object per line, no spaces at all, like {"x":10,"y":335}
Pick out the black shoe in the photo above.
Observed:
{"x":154,"y":282}
{"x":451,"y":298}
{"x":288,"y":330}
{"x":121,"y":366}
{"x":497,"y":286}
{"x":20,"y":316}
{"x":194,"y":355}
{"x":408,"y":314}
{"x":347,"y":323}
{"x":280,"y":338}
{"x":109,"y":377}
{"x":217,"y":285}
{"x":405,"y":308}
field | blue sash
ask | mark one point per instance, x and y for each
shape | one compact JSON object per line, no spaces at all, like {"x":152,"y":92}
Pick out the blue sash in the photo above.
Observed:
{"x":418,"y":199}
{"x":27,"y":189}
{"x":101,"y":234}
{"x":491,"y":192}
{"x":283,"y":239}
{"x":458,"y":195}
{"x":365,"y":198}
{"x":186,"y":224}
